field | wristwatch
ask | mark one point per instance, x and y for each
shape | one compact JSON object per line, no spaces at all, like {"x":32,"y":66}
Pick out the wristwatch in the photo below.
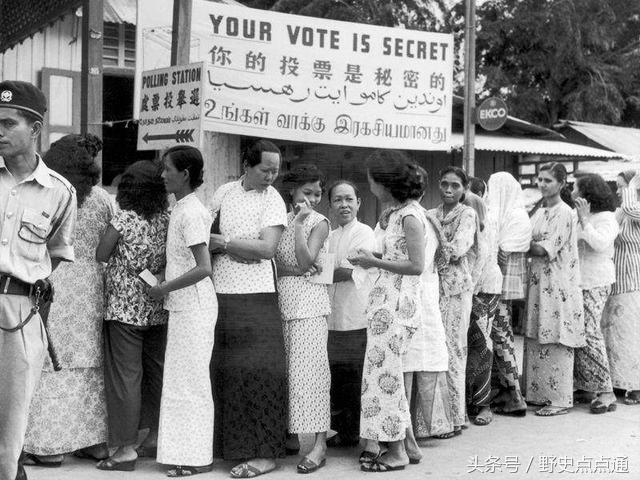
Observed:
{"x":227,"y":239}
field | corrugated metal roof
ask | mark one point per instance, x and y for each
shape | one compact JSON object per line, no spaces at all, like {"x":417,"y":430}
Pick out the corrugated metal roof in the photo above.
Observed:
{"x":124,"y":11}
{"x":120,"y":11}
{"x":503,"y":143}
{"x":623,"y":140}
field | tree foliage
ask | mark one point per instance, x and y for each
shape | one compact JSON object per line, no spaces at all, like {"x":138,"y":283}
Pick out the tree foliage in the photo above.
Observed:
{"x":562,"y":59}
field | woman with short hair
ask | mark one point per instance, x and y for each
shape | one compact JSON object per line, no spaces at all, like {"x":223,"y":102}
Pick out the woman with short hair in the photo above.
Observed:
{"x":597,"y":231}
{"x":248,"y":367}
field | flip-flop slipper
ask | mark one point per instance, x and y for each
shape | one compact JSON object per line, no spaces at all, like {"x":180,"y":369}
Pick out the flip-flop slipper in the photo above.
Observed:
{"x":379,"y":466}
{"x":598,"y":407}
{"x":35,"y":461}
{"x":111,"y":465}
{"x":482,"y":419}
{"x":309,"y":466}
{"x":144,"y":451}
{"x":631,"y":399}
{"x":551,"y":411}
{"x":187,"y":471}
{"x":367,"y":457}
{"x":244,"y":470}
{"x":510,"y":413}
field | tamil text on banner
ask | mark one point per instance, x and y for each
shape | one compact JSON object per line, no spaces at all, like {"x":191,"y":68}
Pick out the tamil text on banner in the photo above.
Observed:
{"x":170,"y":107}
{"x":314,"y":80}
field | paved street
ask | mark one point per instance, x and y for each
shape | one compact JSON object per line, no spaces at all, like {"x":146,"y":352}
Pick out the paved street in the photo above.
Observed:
{"x":595,"y":442}
{"x":532,"y":447}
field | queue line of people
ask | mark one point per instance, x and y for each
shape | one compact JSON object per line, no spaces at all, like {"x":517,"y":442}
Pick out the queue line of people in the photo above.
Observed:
{"x":411,"y":339}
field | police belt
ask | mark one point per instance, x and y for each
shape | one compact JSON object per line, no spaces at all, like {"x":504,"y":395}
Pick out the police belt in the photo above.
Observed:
{"x":42,"y":293}
{"x":13,"y":286}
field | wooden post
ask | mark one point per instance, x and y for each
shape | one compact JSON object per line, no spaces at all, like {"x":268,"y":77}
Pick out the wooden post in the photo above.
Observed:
{"x":468,"y":160}
{"x":221,"y":151}
{"x":91,"y":73}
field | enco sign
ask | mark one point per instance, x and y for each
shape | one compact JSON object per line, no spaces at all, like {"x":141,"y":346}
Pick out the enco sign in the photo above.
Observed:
{"x":492,"y":113}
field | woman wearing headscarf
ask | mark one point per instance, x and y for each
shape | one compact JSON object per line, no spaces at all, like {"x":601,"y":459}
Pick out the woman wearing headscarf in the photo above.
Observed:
{"x":487,"y":279}
{"x":506,"y":210}
{"x":620,"y":324}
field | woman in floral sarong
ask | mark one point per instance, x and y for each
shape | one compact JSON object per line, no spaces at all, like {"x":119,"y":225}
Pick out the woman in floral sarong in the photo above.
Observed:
{"x":555,"y":319}
{"x":394,"y":309}
{"x":456,"y":227}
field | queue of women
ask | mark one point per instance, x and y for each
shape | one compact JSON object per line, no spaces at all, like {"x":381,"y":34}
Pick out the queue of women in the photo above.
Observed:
{"x":212,"y":334}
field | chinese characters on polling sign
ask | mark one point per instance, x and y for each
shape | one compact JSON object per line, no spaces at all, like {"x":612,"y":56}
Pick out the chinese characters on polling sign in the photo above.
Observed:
{"x":170,"y":107}
{"x":307,"y":79}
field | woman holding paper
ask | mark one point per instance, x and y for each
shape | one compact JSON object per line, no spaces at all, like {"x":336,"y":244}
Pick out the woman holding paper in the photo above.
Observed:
{"x":395,"y":307}
{"x":304,"y":305}
{"x":348,"y":319}
{"x":185,"y":434}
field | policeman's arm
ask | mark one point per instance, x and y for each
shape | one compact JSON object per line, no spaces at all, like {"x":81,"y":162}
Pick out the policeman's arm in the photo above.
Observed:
{"x":107,"y":244}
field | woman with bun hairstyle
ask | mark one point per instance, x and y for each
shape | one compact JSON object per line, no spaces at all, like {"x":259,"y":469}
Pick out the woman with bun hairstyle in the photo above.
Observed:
{"x":68,"y":410}
{"x":456,"y":225}
{"x":555,"y":320}
{"x":249,"y":373}
{"x":304,"y":307}
{"x":185,"y":434}
{"x":395,"y":308}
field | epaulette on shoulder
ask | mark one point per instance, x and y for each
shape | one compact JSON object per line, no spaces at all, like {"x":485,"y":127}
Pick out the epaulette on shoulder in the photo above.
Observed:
{"x":55,"y":176}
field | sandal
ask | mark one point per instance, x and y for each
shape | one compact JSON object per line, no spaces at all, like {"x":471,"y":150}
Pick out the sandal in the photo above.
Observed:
{"x":309,"y":466}
{"x":367,"y":457}
{"x":111,"y":465}
{"x":511,"y":413}
{"x":379,"y":466}
{"x":598,"y":407}
{"x":483,"y":418}
{"x":631,"y":398}
{"x":187,"y":471}
{"x":244,"y":470}
{"x":551,"y":411}
{"x":34,"y":460}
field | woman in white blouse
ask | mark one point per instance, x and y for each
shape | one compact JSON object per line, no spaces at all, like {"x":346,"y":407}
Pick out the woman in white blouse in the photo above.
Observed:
{"x":248,"y":365}
{"x":597,"y":232}
{"x":347,"y":321}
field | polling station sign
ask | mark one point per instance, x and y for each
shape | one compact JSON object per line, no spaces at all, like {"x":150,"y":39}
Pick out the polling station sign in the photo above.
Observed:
{"x":170,"y":107}
{"x":314,"y":80}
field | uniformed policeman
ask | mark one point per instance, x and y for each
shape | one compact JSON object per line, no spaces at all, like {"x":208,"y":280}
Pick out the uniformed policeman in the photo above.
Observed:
{"x":37,"y":218}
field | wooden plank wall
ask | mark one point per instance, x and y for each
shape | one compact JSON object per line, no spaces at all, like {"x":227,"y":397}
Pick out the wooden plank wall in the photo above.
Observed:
{"x":57,"y":46}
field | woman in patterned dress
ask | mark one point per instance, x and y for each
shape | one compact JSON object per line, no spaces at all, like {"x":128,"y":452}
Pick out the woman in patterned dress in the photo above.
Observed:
{"x":68,"y":411}
{"x":555,"y":319}
{"x":248,"y":366}
{"x":135,"y":329}
{"x":185,"y":433}
{"x":620,"y":320}
{"x":304,"y":307}
{"x":597,"y":231}
{"x":456,"y":225}
{"x":506,"y":209}
{"x":394,"y":309}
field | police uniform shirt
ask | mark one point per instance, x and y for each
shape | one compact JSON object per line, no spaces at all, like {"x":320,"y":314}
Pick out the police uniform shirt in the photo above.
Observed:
{"x":37,"y":221}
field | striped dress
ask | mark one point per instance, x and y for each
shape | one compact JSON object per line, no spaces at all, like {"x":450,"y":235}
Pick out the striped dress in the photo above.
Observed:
{"x":621,"y":317}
